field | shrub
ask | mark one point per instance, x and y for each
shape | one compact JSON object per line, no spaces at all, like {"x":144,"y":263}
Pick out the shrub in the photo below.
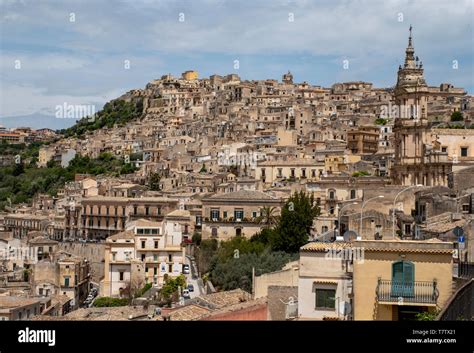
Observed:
{"x":457,"y":116}
{"x":109,"y":302}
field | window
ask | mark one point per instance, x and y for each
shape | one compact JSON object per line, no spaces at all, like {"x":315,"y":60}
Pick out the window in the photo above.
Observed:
{"x":121,"y":275}
{"x":66,"y":281}
{"x":254,"y":214}
{"x":225,"y":214}
{"x":313,"y":173}
{"x":156,"y":244}
{"x":280,"y":172}
{"x":403,"y":273}
{"x":170,"y":268}
{"x":113,"y":256}
{"x":331,"y":195}
{"x":303,"y":172}
{"x":325,"y":299}
{"x":170,"y":258}
{"x":147,"y":210}
{"x":292,"y":172}
{"x":143,"y":257}
{"x":465,"y":207}
{"x":155,"y":257}
{"x":238,"y":214}
{"x":143,"y":244}
{"x":215,"y":214}
{"x":353,"y":194}
{"x":238,"y":232}
{"x":463,"y":151}
{"x":407,"y":229}
{"x":135,"y":209}
{"x":155,"y":271}
{"x":214,"y":232}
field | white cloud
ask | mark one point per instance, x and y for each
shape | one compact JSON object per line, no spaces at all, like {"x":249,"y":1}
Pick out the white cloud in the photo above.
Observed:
{"x":77,"y":62}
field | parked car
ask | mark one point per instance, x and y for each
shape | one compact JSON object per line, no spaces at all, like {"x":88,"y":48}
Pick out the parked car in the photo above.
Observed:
{"x":186,"y":294}
{"x":190,"y":287}
{"x":186,"y":269}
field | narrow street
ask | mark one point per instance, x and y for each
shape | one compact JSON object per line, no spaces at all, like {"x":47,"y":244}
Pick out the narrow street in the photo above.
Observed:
{"x":198,"y":290}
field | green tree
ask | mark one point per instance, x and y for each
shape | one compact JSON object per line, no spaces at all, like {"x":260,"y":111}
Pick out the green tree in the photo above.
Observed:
{"x":108,"y":302}
{"x":268,"y":216}
{"x":236,"y":247}
{"x":204,"y":254}
{"x":196,"y":239}
{"x":360,"y":173}
{"x":264,"y":236}
{"x":295,"y":223}
{"x":381,"y":121}
{"x":237,"y":272}
{"x":172,"y":286}
{"x":154,"y":181}
{"x":19,"y":169}
{"x":457,"y":116}
{"x":427,"y":315}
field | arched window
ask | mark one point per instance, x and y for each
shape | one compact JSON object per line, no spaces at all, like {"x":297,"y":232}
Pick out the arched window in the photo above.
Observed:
{"x":332,"y":194}
{"x":403,"y":279}
{"x":353,"y":194}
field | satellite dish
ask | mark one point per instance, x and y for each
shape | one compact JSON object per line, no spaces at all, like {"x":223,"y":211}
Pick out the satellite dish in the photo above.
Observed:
{"x":350,"y":235}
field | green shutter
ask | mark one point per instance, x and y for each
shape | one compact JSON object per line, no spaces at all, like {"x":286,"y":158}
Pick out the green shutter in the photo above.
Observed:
{"x":402,"y":279}
{"x":408,"y":279}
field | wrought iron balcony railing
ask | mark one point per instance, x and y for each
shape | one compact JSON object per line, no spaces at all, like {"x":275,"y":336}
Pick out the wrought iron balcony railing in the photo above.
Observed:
{"x":416,"y":292}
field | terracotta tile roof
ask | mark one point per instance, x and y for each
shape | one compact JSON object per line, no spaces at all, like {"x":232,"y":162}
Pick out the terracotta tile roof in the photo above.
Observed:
{"x":8,"y":302}
{"x":243,"y":195}
{"x":128,"y":234}
{"x":323,"y":246}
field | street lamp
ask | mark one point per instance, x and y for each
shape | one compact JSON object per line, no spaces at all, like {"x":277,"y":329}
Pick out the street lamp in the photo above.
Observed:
{"x":340,"y":214}
{"x":395,"y":201}
{"x":362,"y":210}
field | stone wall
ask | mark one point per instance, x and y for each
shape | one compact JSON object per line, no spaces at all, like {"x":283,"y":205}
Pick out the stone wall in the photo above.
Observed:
{"x":94,"y":253}
{"x":277,"y":297}
{"x":288,"y":276}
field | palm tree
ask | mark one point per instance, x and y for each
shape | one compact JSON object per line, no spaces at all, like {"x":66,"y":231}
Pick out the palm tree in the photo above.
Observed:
{"x":268,"y":216}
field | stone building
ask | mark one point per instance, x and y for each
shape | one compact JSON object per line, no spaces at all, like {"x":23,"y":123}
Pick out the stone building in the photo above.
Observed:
{"x":417,"y":159}
{"x":235,"y":213}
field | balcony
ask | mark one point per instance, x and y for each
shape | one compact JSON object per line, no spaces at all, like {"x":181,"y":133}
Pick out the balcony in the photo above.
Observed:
{"x":414,"y":293}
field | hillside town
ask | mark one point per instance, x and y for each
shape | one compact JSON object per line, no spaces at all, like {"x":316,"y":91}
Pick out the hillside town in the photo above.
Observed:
{"x":226,"y":199}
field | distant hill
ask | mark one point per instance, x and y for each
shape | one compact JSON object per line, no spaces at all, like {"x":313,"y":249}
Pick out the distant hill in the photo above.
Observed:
{"x":37,"y":121}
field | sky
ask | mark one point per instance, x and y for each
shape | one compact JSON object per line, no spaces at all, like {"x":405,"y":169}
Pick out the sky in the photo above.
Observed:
{"x":57,"y":52}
